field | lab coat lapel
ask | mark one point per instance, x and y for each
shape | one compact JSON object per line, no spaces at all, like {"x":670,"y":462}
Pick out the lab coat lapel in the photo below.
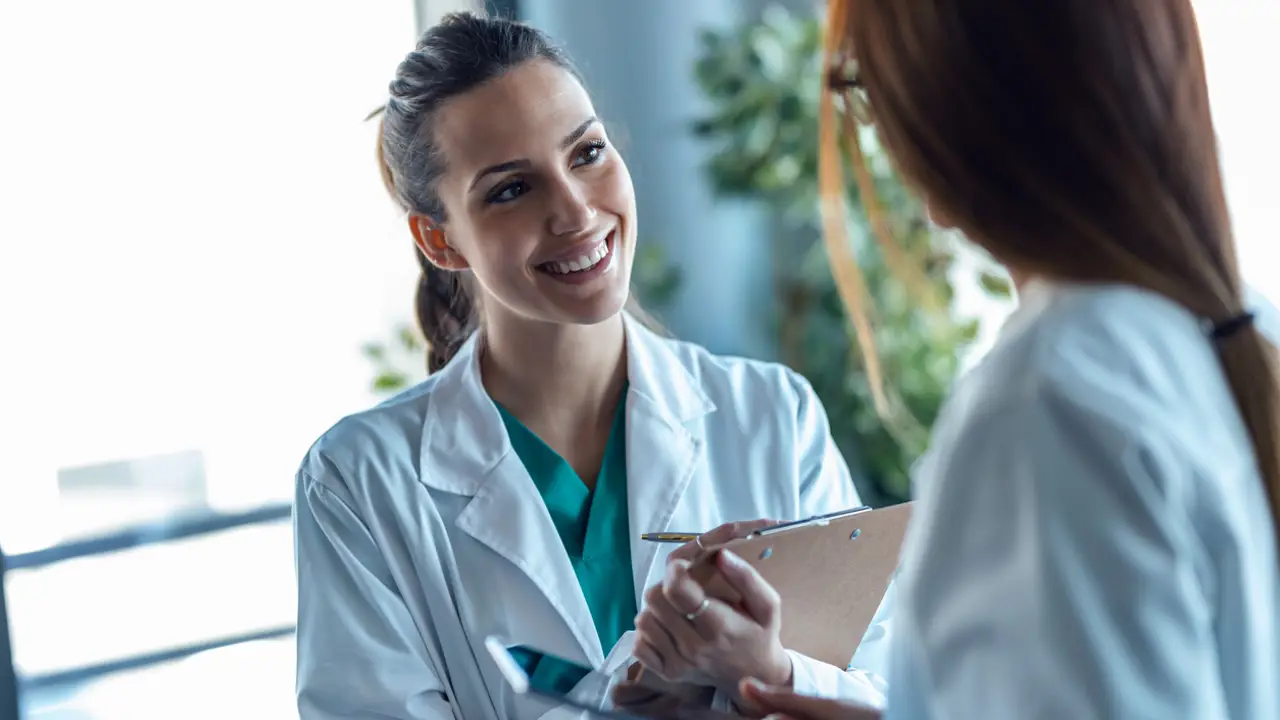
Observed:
{"x":663,"y":452}
{"x":466,"y":451}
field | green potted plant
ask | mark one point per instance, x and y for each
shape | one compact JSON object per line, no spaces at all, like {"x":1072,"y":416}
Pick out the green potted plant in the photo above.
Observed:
{"x":764,"y":83}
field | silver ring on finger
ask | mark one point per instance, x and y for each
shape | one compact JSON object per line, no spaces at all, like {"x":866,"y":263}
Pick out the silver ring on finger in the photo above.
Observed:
{"x":706,"y":603}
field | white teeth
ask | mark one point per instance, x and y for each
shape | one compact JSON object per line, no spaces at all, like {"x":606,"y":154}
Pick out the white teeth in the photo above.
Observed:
{"x":582,"y":262}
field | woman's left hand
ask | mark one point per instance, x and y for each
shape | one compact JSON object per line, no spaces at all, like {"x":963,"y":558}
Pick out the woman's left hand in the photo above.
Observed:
{"x":683,"y":632}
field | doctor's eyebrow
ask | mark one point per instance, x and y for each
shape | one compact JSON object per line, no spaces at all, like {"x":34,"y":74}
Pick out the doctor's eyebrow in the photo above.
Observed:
{"x":525,"y":164}
{"x":578,"y":132}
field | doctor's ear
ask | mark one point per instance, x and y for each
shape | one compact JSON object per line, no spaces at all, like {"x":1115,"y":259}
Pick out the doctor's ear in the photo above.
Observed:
{"x":431,"y":240}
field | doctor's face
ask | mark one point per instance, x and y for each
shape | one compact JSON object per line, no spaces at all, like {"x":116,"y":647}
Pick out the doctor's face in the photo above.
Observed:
{"x":538,"y":203}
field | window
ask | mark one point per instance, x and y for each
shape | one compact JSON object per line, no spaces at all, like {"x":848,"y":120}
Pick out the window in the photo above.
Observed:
{"x":196,"y":247}
{"x":1241,"y":53}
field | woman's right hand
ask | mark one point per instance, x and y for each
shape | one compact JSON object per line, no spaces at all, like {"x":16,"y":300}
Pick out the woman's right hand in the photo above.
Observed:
{"x":671,"y":646}
{"x":689,"y":552}
{"x":719,"y":536}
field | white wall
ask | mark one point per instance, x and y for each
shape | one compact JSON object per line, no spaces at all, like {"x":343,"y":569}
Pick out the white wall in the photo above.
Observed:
{"x":1242,"y":53}
{"x":1242,"y":47}
{"x":194,"y":240}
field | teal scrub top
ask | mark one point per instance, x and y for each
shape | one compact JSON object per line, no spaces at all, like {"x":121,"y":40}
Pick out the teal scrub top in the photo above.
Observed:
{"x":595,"y":532}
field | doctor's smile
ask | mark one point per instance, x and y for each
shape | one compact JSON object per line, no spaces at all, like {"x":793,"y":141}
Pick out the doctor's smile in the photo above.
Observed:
{"x":582,"y":262}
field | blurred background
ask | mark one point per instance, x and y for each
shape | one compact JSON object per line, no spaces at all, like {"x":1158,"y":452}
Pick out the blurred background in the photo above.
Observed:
{"x":200,"y":273}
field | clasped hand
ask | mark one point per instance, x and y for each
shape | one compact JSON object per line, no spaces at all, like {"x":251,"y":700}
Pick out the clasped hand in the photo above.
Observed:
{"x":685,"y":634}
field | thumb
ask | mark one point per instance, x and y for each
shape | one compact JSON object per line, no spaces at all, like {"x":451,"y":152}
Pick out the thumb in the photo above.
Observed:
{"x":759,"y":599}
{"x":763,"y":696}
{"x":769,"y":701}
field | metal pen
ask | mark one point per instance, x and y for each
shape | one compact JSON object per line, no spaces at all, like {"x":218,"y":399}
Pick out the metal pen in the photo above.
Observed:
{"x":669,"y":537}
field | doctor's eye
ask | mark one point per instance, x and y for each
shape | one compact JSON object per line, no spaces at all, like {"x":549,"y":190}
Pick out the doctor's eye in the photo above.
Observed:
{"x":591,"y":153}
{"x":506,"y":192}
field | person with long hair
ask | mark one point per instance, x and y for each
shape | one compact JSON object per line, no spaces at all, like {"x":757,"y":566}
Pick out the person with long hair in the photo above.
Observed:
{"x":1095,"y":527}
{"x":505,"y":496}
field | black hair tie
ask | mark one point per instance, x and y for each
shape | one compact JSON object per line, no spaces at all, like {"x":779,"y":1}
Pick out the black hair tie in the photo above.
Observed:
{"x":1231,"y":326}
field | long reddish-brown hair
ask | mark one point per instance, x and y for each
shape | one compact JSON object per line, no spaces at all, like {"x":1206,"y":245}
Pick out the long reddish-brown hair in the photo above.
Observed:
{"x":1069,"y":139}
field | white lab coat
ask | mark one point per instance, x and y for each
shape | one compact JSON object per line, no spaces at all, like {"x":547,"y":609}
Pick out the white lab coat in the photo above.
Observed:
{"x":1091,"y":538}
{"x":419,"y":532}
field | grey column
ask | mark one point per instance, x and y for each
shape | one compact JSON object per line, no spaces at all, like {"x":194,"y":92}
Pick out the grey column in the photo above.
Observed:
{"x":638,"y":57}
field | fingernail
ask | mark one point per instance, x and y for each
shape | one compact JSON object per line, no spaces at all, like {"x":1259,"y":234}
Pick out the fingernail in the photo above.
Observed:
{"x":757,"y":687}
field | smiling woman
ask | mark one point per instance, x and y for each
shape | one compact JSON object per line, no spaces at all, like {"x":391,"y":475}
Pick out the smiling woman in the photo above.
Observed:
{"x":490,"y":173}
{"x":505,"y":495}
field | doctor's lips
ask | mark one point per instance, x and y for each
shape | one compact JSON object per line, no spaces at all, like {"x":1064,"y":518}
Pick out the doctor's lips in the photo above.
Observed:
{"x":584,"y":261}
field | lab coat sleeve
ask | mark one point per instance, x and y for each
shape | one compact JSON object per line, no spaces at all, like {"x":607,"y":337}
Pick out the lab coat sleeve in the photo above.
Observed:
{"x":360,"y":655}
{"x":1057,"y":574}
{"x":826,"y":486}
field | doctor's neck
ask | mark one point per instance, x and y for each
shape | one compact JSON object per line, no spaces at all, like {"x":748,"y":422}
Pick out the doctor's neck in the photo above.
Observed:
{"x":563,"y":374}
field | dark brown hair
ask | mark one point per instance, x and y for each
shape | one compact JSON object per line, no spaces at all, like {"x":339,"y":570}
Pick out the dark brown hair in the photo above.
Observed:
{"x":461,"y":52}
{"x":1071,"y":139}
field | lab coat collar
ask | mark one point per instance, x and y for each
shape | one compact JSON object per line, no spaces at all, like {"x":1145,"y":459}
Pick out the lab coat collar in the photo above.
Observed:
{"x":663,"y":443}
{"x":466,"y":451}
{"x":463,"y":438}
{"x":657,"y":375}
{"x":463,"y":435}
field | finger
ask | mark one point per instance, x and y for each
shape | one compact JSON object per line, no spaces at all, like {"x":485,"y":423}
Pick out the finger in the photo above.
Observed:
{"x":718,"y":536}
{"x":687,"y":551}
{"x":680,"y":589}
{"x":732,"y":531}
{"x":716,"y":621}
{"x":672,"y":664}
{"x":684,"y":636}
{"x":758,"y":598}
{"x":659,"y":618}
{"x":647,"y":656}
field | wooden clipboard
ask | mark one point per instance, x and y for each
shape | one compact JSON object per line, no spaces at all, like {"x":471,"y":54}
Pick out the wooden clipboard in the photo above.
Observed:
{"x":832,"y":575}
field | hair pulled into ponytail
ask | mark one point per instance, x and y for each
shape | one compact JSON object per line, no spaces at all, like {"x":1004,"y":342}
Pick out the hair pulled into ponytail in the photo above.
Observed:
{"x":460,"y":53}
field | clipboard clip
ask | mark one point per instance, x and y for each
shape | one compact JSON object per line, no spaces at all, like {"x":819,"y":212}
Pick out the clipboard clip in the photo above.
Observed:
{"x":818,"y":520}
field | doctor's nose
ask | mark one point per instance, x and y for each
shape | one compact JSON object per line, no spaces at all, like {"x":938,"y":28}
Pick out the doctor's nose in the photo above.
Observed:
{"x":571,"y":211}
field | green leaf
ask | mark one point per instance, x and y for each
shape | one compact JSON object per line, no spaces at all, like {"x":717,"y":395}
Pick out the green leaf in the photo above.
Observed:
{"x":995,"y":285}
{"x":388,"y":382}
{"x":410,"y":340}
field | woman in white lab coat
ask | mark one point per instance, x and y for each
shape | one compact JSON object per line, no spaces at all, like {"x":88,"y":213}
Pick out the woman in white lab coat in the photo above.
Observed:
{"x":505,"y":495}
{"x":1095,"y":533}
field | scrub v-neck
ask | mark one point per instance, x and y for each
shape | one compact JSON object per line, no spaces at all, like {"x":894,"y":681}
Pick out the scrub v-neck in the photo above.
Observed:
{"x":594,"y":531}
